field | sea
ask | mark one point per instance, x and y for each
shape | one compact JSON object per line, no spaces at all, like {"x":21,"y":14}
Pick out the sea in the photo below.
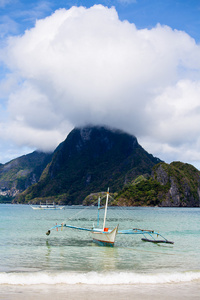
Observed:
{"x":29,"y":257}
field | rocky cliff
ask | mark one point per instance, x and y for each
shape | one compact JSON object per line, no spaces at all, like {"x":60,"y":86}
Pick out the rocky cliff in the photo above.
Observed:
{"x":91,"y":159}
{"x":173,"y":185}
{"x":183,"y":182}
{"x":20,"y":173}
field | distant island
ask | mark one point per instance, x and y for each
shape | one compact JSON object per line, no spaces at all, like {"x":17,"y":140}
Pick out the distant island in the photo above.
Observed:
{"x":90,"y":160}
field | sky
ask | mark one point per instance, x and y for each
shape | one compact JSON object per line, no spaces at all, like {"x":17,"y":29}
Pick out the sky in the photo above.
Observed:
{"x":133,"y":65}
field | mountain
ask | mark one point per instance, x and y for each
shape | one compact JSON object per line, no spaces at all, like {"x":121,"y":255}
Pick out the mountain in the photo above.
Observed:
{"x":20,"y":173}
{"x":182,"y":183}
{"x":91,"y":159}
{"x":175,"y":185}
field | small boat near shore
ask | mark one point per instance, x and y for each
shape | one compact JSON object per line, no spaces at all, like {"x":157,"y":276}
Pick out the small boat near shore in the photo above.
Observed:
{"x":49,"y":206}
{"x":106,"y":237}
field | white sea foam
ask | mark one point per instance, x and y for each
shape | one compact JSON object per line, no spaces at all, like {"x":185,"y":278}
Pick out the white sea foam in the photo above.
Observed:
{"x":96,"y":278}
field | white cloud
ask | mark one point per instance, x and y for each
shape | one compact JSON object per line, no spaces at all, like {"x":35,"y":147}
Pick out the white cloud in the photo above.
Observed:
{"x":81,"y":66}
{"x":178,"y":107}
{"x":3,"y":3}
{"x":7,"y":26}
{"x":34,"y":10}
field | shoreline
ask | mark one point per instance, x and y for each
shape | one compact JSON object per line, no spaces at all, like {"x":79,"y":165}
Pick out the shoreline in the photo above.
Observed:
{"x":178,"y":291}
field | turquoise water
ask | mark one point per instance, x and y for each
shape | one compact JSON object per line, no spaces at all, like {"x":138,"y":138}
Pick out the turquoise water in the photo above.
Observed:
{"x":28,"y":256}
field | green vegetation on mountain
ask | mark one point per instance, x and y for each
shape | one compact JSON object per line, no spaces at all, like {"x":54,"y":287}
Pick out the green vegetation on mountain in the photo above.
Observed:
{"x":18,"y":174}
{"x":5,"y":199}
{"x":143,"y":193}
{"x":176,"y":184}
{"x":90,"y":160}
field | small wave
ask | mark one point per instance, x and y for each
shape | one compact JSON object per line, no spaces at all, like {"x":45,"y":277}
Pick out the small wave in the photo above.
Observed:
{"x":34,"y":278}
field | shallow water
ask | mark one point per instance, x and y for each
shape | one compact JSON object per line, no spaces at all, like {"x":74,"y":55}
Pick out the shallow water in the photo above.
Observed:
{"x":29,"y":257}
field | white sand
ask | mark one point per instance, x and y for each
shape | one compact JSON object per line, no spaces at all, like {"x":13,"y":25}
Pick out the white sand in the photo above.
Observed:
{"x":181,"y":291}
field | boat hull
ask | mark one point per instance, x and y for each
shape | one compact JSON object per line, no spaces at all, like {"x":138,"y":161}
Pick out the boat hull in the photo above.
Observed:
{"x":104,"y":238}
{"x":47,"y":207}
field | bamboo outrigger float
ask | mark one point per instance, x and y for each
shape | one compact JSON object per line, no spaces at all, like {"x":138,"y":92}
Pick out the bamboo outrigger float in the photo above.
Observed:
{"x":106,"y":237}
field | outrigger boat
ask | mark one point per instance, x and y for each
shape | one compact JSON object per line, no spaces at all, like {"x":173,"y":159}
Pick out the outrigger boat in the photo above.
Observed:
{"x":50,"y":206}
{"x":106,"y":237}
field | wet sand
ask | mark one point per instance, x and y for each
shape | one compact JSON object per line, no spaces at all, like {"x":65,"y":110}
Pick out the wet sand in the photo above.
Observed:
{"x":179,"y":291}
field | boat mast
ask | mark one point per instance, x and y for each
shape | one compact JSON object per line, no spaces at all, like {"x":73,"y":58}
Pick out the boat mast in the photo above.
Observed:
{"x":104,"y":222}
{"x":98,"y":211}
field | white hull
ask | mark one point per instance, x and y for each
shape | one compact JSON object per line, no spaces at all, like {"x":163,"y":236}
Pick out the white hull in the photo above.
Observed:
{"x":47,"y":207}
{"x":105,"y":237}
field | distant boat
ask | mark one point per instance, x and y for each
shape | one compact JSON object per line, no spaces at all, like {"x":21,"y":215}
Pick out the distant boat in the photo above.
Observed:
{"x":106,"y":237}
{"x":50,"y":206}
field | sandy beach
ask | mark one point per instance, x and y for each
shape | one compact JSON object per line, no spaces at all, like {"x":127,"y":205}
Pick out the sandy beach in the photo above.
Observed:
{"x":90,"y":292}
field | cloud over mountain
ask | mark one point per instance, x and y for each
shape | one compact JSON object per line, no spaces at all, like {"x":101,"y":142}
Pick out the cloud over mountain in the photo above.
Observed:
{"x":82,"y":66}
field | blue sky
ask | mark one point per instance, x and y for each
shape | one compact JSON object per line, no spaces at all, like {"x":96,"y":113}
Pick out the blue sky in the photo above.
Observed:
{"x":18,"y":16}
{"x":131,"y":64}
{"x":178,"y":14}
